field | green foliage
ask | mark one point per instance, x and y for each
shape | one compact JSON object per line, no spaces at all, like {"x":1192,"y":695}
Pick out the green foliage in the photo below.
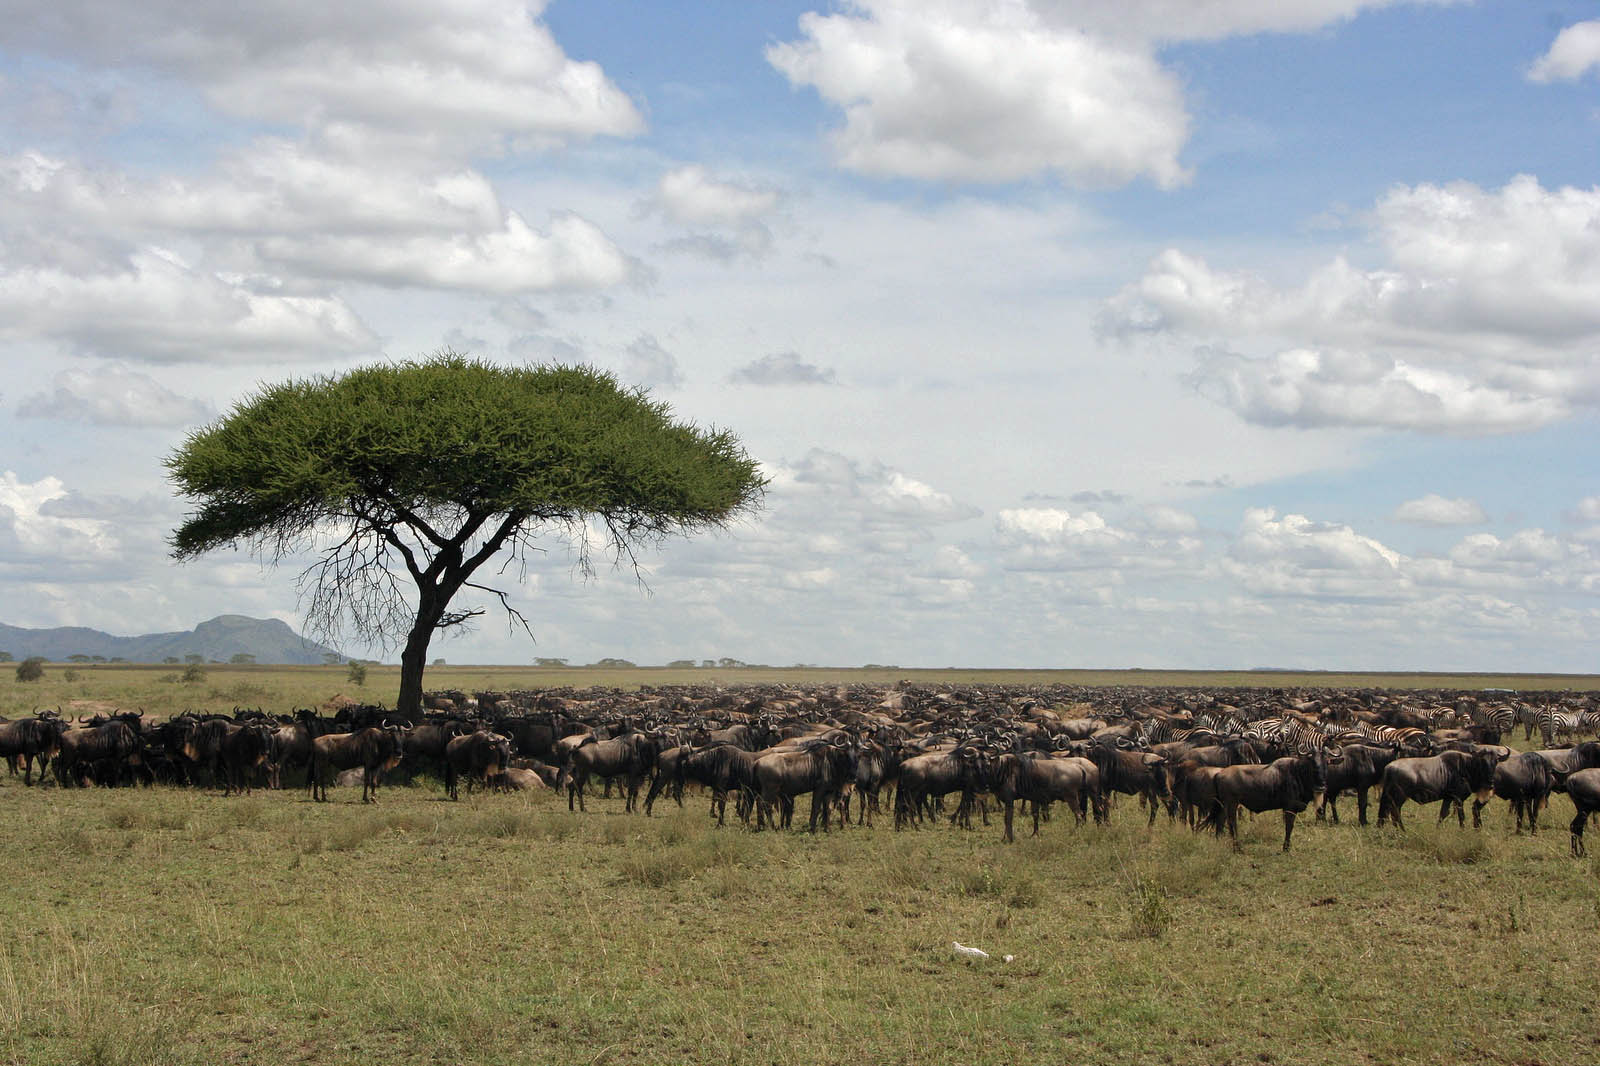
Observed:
{"x":357,"y":674}
{"x":6,"y":657}
{"x":69,"y":674}
{"x":194,"y":672}
{"x":242,"y":658}
{"x":550,"y":442}
{"x":31,"y":668}
{"x":1148,"y":913}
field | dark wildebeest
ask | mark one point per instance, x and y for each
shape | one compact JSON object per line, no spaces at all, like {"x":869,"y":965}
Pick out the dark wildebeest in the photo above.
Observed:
{"x":33,"y":738}
{"x":1041,"y":781}
{"x":629,"y":756}
{"x":114,"y":743}
{"x":231,"y":752}
{"x":1358,"y":768}
{"x":373,"y":749}
{"x":1133,"y":773}
{"x":1564,"y":761}
{"x":1583,"y":788}
{"x":1288,"y":784}
{"x":1450,"y":776}
{"x":1525,"y":780}
{"x":924,"y":778}
{"x":480,"y":756}
{"x":820,"y":767}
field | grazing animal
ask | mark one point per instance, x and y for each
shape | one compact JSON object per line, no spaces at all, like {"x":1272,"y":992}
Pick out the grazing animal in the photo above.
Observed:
{"x":821,"y":767}
{"x":1583,"y":787}
{"x":1450,"y":776}
{"x":1525,"y":781}
{"x":33,"y":738}
{"x":1042,"y":781}
{"x":1288,"y":784}
{"x":482,"y":757}
{"x":373,"y":749}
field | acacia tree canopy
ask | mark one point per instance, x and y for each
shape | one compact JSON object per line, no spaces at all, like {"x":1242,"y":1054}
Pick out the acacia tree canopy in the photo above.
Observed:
{"x":401,"y":480}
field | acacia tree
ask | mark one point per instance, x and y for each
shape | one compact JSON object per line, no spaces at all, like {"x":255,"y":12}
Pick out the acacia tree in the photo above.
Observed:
{"x":401,"y":481}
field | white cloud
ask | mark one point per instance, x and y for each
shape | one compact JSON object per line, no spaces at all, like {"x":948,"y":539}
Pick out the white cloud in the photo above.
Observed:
{"x":114,"y":395}
{"x":782,"y":368}
{"x":1295,"y":556}
{"x":1308,"y":388}
{"x":1188,"y":20}
{"x":1006,"y":90}
{"x":691,"y":196}
{"x":954,"y":90}
{"x":648,"y":363}
{"x":1574,"y":52}
{"x":481,"y":72}
{"x":160,"y":309}
{"x":1485,"y":318}
{"x":571,"y":253}
{"x":1436,"y":510}
{"x":1052,"y":539}
{"x":879,"y":493}
{"x":30,"y":536}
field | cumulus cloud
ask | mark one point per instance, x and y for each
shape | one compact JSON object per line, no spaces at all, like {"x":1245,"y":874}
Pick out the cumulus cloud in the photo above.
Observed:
{"x":160,"y":309}
{"x":728,"y":218}
{"x":954,"y":90}
{"x":571,"y":253}
{"x":1053,"y":539}
{"x":648,"y":363}
{"x":691,"y":196}
{"x":1436,"y":510}
{"x":782,"y":368}
{"x":1308,"y":388}
{"x":884,"y":493}
{"x":1295,"y":556}
{"x":1574,"y":52}
{"x":30,"y":535}
{"x":1485,"y":317}
{"x":1006,"y":90}
{"x":486,"y":73}
{"x":114,"y":395}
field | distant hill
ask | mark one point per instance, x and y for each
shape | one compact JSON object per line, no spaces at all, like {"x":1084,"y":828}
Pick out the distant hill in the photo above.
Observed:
{"x":221,"y":638}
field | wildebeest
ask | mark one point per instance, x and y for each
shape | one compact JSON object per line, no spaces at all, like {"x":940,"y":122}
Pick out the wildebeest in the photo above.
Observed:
{"x":373,"y":749}
{"x":481,"y":756}
{"x":1358,"y":768}
{"x":629,"y":756}
{"x":230,"y":751}
{"x":1583,"y":788}
{"x":820,"y":766}
{"x":33,"y":738}
{"x":1288,"y":784}
{"x":112,"y":746}
{"x":1041,"y":780}
{"x":1133,"y":773}
{"x":1525,"y":781}
{"x":934,"y":775}
{"x":1450,"y":777}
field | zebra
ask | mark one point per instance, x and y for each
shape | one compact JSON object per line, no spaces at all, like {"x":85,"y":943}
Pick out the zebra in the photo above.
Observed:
{"x":1555,"y":724}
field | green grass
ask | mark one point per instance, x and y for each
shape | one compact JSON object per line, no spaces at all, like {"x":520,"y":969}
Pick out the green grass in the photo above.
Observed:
{"x":158,"y":690}
{"x":178,"y":927}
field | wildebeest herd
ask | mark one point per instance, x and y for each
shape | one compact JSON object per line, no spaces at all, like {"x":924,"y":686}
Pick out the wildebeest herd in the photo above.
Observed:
{"x":1197,"y":756}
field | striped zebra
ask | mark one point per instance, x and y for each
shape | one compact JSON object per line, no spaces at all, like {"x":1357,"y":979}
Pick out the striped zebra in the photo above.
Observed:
{"x":1555,"y":723}
{"x":1392,"y":736}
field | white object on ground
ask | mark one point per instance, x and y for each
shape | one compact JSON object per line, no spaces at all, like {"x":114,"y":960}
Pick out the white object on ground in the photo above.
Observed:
{"x":971,"y":953}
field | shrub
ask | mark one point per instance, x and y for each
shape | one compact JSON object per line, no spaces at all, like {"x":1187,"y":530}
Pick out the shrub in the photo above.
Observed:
{"x":194,"y":672}
{"x":1148,"y":914}
{"x":357,"y":673}
{"x":31,"y":668}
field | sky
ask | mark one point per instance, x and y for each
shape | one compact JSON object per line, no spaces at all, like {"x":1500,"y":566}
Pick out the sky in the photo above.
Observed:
{"x":1069,"y":333}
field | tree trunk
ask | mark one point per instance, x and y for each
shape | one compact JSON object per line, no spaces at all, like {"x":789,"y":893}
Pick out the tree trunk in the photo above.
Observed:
{"x":408,"y":705}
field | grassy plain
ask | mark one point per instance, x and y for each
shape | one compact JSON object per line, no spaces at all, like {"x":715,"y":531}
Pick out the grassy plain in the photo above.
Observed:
{"x":167,"y":927}
{"x":160,"y":690}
